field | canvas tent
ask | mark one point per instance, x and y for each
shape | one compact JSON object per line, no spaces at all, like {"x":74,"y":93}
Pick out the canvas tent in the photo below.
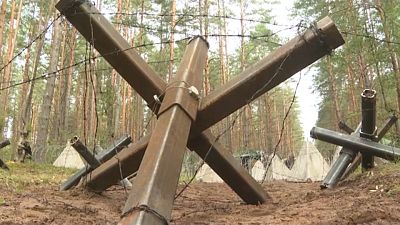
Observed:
{"x":277,"y":170}
{"x":69,"y":158}
{"x":206,"y":174}
{"x":336,"y":154}
{"x":309,"y":164}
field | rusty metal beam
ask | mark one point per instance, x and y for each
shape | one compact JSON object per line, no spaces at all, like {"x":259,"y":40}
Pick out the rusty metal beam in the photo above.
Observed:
{"x":100,"y":178}
{"x":343,"y":126}
{"x":87,"y":19}
{"x":4,"y":143}
{"x":274,"y":69}
{"x":117,"y":168}
{"x":84,"y":152}
{"x":219,"y":159}
{"x":113,"y":47}
{"x":257,"y":72}
{"x":383,"y":130}
{"x":251,"y":83}
{"x":356,"y":143}
{"x":229,"y":169}
{"x":158,"y":174}
{"x":114,"y":148}
{"x":101,"y":157}
{"x":319,"y":40}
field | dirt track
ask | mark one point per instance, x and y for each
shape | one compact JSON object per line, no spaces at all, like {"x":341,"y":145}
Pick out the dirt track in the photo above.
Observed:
{"x":364,"y":200}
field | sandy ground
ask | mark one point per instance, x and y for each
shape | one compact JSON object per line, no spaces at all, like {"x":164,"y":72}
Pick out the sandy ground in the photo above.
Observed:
{"x":361,"y":200}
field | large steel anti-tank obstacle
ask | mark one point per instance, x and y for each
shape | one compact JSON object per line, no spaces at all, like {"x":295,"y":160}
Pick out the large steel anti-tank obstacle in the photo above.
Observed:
{"x":183,"y":116}
{"x":3,"y":144}
{"x":359,"y":146}
{"x":93,"y":161}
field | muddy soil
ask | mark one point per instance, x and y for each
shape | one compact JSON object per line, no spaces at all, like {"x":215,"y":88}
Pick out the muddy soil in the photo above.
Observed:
{"x":361,"y":200}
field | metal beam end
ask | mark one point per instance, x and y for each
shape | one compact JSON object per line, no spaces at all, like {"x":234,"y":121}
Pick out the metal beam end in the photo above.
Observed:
{"x":200,"y":37}
{"x":331,"y":34}
{"x":324,"y":186}
{"x":368,"y":93}
{"x":74,"y":140}
{"x":312,"y":133}
{"x":65,"y":5}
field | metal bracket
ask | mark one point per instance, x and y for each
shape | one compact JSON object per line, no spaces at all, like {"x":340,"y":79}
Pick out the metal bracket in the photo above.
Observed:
{"x":179,"y":97}
{"x":369,"y":136}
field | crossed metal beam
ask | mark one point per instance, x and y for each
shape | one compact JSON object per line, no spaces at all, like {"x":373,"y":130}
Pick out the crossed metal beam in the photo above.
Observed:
{"x":93,"y":161}
{"x":359,"y":146}
{"x":183,"y":116}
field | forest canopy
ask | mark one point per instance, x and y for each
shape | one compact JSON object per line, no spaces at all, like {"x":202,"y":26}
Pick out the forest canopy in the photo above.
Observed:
{"x":54,"y":85}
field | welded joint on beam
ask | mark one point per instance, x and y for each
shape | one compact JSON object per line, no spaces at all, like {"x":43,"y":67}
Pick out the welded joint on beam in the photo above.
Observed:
{"x":147,"y":209}
{"x":352,"y":153}
{"x":369,"y":136}
{"x":180,"y":99}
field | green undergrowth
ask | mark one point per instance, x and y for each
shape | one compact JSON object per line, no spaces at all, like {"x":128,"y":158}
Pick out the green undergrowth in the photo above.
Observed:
{"x":24,"y":175}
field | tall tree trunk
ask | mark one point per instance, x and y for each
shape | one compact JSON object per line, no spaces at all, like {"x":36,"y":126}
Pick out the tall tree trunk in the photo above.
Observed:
{"x":171,"y":41}
{"x":42,"y":134}
{"x":19,"y":124}
{"x":66,"y":88}
{"x":117,"y":105}
{"x":56,"y":120}
{"x":206,"y":81}
{"x":333,"y":90}
{"x":26,"y":116}
{"x":2,"y":23}
{"x":393,"y":53}
{"x":242,"y":31}
{"x":246,"y":120}
{"x":24,"y":89}
{"x":200,"y":9}
{"x":269,"y":134}
{"x":221,"y":42}
{"x":12,"y":38}
{"x":352,"y":89}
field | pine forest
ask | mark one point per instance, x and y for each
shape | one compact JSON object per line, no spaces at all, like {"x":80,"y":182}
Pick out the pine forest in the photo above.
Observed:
{"x":54,"y":85}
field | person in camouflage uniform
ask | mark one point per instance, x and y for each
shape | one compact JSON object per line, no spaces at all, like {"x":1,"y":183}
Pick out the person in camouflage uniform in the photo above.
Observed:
{"x":23,"y":148}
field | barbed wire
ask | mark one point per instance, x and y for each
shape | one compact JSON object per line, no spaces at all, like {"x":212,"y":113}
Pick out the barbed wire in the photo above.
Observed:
{"x":294,"y":95}
{"x":40,"y":35}
{"x":57,"y":73}
{"x":256,"y":93}
{"x":187,"y":15}
{"x":266,"y":37}
{"x":282,"y":129}
{"x":161,"y":43}
{"x":370,"y":37}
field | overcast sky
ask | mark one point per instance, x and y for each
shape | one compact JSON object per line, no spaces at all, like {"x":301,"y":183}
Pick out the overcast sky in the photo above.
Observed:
{"x":307,"y":100}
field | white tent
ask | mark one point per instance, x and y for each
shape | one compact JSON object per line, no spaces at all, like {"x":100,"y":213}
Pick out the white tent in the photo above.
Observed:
{"x":336,"y":154}
{"x":277,"y":170}
{"x":69,"y":158}
{"x":206,"y":174}
{"x":309,"y":164}
{"x":258,"y":171}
